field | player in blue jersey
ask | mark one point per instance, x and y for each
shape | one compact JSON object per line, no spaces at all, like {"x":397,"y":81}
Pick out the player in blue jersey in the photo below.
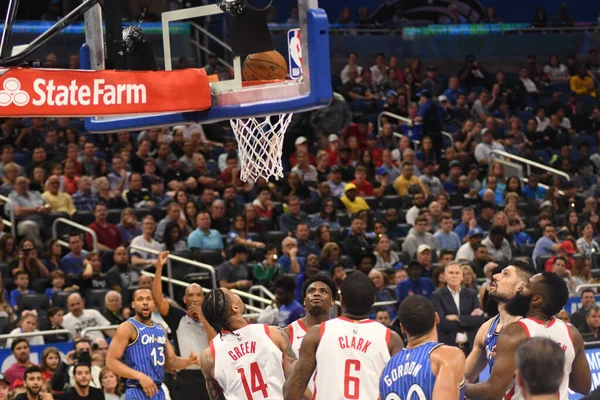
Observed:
{"x":424,"y":369}
{"x":505,"y":285}
{"x":145,"y":349}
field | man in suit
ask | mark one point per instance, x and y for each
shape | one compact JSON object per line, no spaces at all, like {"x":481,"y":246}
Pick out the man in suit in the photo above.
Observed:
{"x":459,"y":310}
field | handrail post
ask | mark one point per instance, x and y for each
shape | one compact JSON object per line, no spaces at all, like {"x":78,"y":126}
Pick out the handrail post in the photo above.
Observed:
{"x":530,"y":163}
{"x":75,"y":225}
{"x":98,"y":328}
{"x":13,"y":228}
{"x":170,"y":273}
{"x":38,"y":333}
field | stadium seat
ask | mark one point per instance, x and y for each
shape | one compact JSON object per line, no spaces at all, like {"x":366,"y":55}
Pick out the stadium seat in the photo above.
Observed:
{"x":94,"y":298}
{"x":33,"y":301}
{"x":266,"y":224}
{"x":83,"y":217}
{"x":39,"y":285}
{"x":59,"y":299}
{"x":142,"y":212}
{"x":595,"y":260}
{"x":275,"y":237}
{"x":343,"y":219}
{"x":5,"y":326}
{"x":540,"y":261}
{"x":372,"y":201}
{"x":527,"y":250}
{"x":114,"y":216}
{"x":456,"y":212}
{"x":391,"y":201}
{"x":210,"y":257}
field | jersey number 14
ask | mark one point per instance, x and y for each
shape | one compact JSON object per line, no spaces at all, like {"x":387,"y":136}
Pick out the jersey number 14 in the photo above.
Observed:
{"x":257,"y":383}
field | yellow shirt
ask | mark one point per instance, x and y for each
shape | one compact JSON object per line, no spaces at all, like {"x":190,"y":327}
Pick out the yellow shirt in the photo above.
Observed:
{"x":355,"y":206}
{"x":62,"y":202}
{"x":583,"y":86}
{"x":401,"y":185}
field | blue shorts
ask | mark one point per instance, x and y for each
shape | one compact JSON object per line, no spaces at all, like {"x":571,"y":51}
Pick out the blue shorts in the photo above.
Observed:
{"x":135,"y":393}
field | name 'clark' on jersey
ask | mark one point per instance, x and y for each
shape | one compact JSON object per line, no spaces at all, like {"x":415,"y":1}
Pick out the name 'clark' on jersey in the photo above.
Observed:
{"x":248,"y":365}
{"x":350,"y":358}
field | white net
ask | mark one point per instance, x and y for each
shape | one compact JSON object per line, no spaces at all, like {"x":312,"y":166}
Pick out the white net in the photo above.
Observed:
{"x":260,"y":143}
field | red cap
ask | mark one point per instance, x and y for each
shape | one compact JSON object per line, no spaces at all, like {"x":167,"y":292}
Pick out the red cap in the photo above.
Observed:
{"x":567,"y":246}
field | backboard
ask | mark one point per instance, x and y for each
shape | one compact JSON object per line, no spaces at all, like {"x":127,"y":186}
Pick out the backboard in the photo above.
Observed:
{"x":230,"y":99}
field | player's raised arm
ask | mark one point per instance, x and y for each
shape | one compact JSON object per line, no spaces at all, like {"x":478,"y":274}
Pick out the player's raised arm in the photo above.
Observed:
{"x":207,"y":364}
{"x":580,"y":380}
{"x":178,"y":363}
{"x":296,"y":383}
{"x":450,"y":362}
{"x":125,"y":334}
{"x":162,"y":305}
{"x":477,"y":361}
{"x":504,"y":368}
{"x":282,"y":341}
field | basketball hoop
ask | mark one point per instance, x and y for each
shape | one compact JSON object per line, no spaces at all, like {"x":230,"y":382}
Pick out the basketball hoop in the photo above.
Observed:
{"x":260,"y":144}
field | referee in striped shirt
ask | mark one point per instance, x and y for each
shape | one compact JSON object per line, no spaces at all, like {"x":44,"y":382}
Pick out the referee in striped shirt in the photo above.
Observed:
{"x":191,"y":331}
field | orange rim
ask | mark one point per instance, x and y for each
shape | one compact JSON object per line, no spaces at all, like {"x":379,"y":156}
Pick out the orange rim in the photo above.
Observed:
{"x":264,"y":82}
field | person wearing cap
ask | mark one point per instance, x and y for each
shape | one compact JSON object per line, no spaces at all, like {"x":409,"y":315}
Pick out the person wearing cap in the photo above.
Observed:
{"x":547,"y":245}
{"x":566,"y":251}
{"x":415,"y":284}
{"x":433,"y":83}
{"x":383,"y":187}
{"x":431,"y":114}
{"x":467,"y":250}
{"x":431,"y":182}
{"x":157,"y":192}
{"x":301,"y":143}
{"x":408,"y":183}
{"x":333,"y":149}
{"x":484,"y":149}
{"x":425,"y":257}
{"x":4,"y":387}
{"x":454,"y":17}
{"x":352,"y":201}
{"x":335,"y":182}
{"x":419,"y":236}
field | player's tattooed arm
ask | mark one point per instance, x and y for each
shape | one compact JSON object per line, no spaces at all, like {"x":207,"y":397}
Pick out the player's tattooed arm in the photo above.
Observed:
{"x":287,"y":346}
{"x":296,"y":382}
{"x":207,"y":364}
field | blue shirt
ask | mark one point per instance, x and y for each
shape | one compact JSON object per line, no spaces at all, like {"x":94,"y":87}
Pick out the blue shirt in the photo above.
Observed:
{"x":461,"y":230}
{"x":14,"y":296}
{"x":522,"y":239}
{"x":490,"y":342}
{"x":286,"y":263}
{"x":426,"y":113}
{"x":451,"y":94}
{"x":538,"y":194}
{"x":449,"y":241}
{"x":498,"y":196}
{"x":49,"y":292}
{"x":72,"y":265}
{"x":307,"y":248}
{"x":424,"y":287}
{"x":543,"y":247}
{"x":199,"y":239}
{"x":288,"y":313}
{"x":147,"y":353}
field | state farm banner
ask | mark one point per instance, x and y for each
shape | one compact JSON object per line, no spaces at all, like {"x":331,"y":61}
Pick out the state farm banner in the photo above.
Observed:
{"x":28,"y":92}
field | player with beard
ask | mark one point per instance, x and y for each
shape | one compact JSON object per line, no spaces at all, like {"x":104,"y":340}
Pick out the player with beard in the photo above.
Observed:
{"x":146,"y":352}
{"x":545,"y":295}
{"x":82,"y":375}
{"x":34,"y":385}
{"x":504,"y":286}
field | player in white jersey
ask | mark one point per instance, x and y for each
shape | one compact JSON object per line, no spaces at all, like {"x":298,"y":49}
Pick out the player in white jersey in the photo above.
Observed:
{"x":319,"y":293}
{"x":348,"y":353}
{"x":545,"y":295}
{"x":540,"y":364}
{"x":244,"y":361}
{"x":505,"y":285}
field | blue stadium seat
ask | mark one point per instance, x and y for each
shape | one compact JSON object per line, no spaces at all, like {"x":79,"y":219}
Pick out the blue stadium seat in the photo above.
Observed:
{"x":560,"y":87}
{"x":525,"y":115}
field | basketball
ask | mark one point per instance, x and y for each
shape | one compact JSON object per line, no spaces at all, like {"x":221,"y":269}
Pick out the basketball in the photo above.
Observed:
{"x":264,"y":66}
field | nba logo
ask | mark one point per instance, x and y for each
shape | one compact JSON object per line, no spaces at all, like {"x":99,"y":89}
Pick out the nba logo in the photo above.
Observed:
{"x":295,"y":53}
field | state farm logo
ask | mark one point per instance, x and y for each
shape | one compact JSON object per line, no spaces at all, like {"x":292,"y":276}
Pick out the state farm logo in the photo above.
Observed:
{"x":47,"y":93}
{"x":12,"y":93}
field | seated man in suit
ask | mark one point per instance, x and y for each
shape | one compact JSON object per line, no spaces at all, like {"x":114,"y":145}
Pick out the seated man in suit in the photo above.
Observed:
{"x":459,"y":310}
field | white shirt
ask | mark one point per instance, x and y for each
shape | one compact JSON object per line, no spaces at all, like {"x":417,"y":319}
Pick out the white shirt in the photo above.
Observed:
{"x":483,"y":151}
{"x":529,"y":85}
{"x":461,"y":337}
{"x":345,"y":75}
{"x":542,"y":124}
{"x":33,"y":340}
{"x":88,"y":319}
{"x":307,"y":176}
{"x":411,"y":215}
{"x":465,"y":253}
{"x":152,"y":244}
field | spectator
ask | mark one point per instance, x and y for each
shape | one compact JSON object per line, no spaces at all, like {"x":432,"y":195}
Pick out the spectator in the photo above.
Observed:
{"x":424,"y":257}
{"x":122,"y":277}
{"x":497,"y":245}
{"x":519,"y":238}
{"x":55,"y":317}
{"x":21,"y":281}
{"x":532,"y":191}
{"x":52,"y":255}
{"x":289,"y":220}
{"x":556,"y":71}
{"x":407,"y":183}
{"x":352,"y":62}
{"x":382,"y":292}
{"x":566,"y":250}
{"x":547,"y":245}
{"x":454,"y":17}
{"x":418,"y":201}
{"x":540,"y":19}
{"x":79,"y":318}
{"x":467,"y":250}
{"x":431,"y":182}
{"x":108,"y":235}
{"x":433,"y":83}
{"x":588,"y":299}
{"x":111,"y":385}
{"x":84,"y":199}
{"x":113,"y":308}
{"x":385,"y":258}
{"x":418,"y":237}
{"x":447,"y":239}
{"x":203,"y":237}
{"x":415,"y":284}
{"x":82,"y":389}
{"x":129,"y":226}
{"x":8,"y":248}
{"x":467,"y":223}
{"x":265,"y":272}
{"x":562,"y":18}
{"x":142,"y":258}
{"x":50,"y":362}
{"x":263,"y":203}
{"x":301,"y":143}
{"x":484,"y":149}
{"x":305,"y":245}
{"x":356,"y":243}
{"x":591,"y":329}
{"x":352,"y":201}
{"x":289,"y":309}
{"x":306,"y":171}
{"x":20,"y":351}
{"x":27,"y":324}
{"x":582,"y":84}
{"x":73,"y":261}
{"x":29,"y":208}
{"x":586,"y":243}
{"x":173,"y":216}
{"x":28,"y":262}
{"x":233,"y":274}
{"x":57,"y":284}
{"x":559,"y":268}
{"x":58,"y":201}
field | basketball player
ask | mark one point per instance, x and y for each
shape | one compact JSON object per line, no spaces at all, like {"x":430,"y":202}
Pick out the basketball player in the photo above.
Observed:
{"x":505,"y":285}
{"x":545,"y":295}
{"x":245,"y":361}
{"x":320,"y":292}
{"x":540,"y":363}
{"x":146,"y":352}
{"x":349,"y":352}
{"x":425,"y":368}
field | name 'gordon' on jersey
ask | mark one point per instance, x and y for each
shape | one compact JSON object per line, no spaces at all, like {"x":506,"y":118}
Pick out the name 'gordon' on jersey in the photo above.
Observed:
{"x":100,"y":93}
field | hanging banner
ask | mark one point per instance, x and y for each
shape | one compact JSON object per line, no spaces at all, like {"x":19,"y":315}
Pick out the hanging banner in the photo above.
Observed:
{"x":26,"y":92}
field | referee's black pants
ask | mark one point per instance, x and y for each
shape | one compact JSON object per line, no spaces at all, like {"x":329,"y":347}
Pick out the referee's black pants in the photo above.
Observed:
{"x":190,"y":384}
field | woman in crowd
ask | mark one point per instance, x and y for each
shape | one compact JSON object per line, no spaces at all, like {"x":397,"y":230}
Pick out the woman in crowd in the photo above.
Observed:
{"x":386,"y":258}
{"x":322,"y":236}
{"x":555,"y":71}
{"x":382,"y":293}
{"x":469,"y":278}
{"x":582,"y":271}
{"x":6,"y":310}
{"x":52,"y":255}
{"x":92,"y":276}
{"x":414,"y":69}
{"x":444,"y":201}
{"x":512,"y":212}
{"x":322,"y":166}
{"x":181,"y":198}
{"x":438,"y":278}
{"x":511,"y":198}
{"x":500,"y":219}
{"x":513,"y":185}
{"x":265,"y":272}
{"x":294,"y":186}
{"x":239,"y":234}
{"x":497,"y":170}
{"x":38,"y":180}
{"x":129,"y":225}
{"x":572,"y":226}
{"x":515,"y":130}
{"x":11,"y":173}
{"x":27,"y":324}
{"x":191,"y":212}
{"x":111,"y":385}
{"x":50,"y":362}
{"x":586,"y":243}
{"x":172,"y":238}
{"x":252,"y":221}
{"x":111,"y":197}
{"x":326,"y":216}
{"x":29,"y":262}
{"x":426,"y":153}
{"x":8,"y":248}
{"x":330,"y":256}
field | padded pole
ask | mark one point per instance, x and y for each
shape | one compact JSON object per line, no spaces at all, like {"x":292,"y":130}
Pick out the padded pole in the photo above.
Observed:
{"x":11,"y":14}
{"x":115,"y":51}
{"x":94,"y":38}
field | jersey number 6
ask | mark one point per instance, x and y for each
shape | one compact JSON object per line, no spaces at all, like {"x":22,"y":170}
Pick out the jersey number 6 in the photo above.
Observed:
{"x":351,"y":383}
